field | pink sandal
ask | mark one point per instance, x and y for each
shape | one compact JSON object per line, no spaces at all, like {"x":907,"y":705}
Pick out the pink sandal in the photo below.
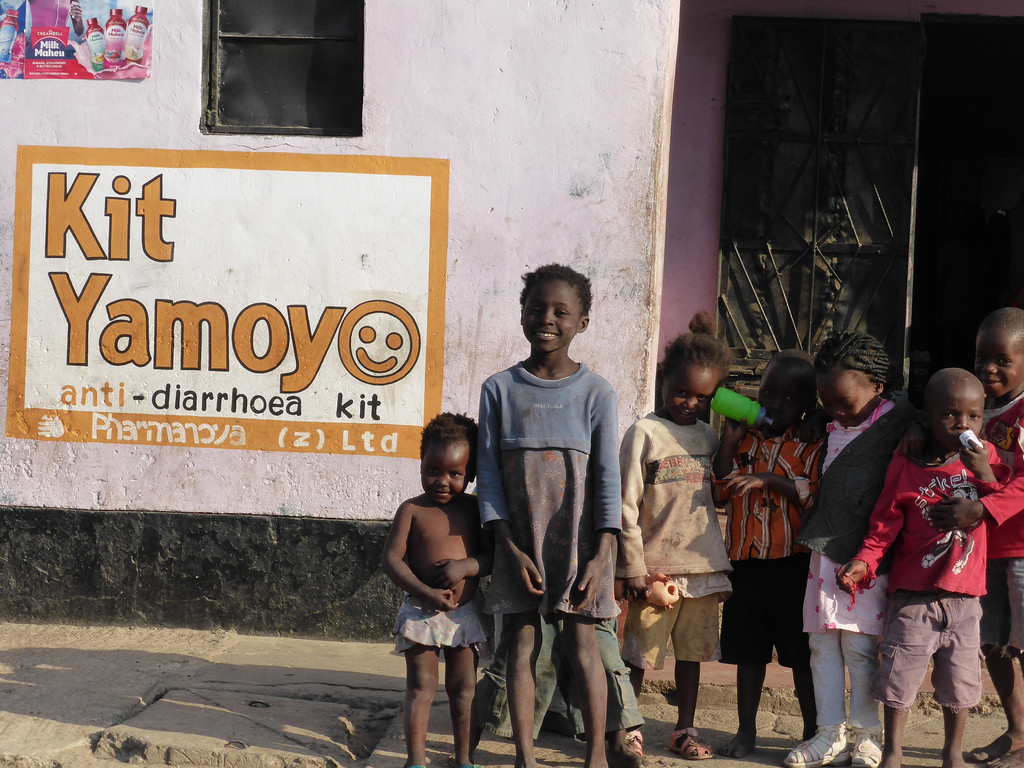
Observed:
{"x":685,"y":743}
{"x":635,"y":742}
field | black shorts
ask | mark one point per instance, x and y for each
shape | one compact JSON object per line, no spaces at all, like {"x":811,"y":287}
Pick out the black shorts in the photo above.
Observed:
{"x":765,"y":611}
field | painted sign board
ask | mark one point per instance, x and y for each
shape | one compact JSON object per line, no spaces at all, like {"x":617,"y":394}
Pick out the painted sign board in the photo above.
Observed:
{"x":250,"y":301}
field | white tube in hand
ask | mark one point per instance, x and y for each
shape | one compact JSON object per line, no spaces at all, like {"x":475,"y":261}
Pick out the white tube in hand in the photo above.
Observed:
{"x":970,"y":440}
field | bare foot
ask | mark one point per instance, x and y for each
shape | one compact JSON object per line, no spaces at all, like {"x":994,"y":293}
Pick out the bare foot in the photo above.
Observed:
{"x":891,"y":758}
{"x":1011,"y":760}
{"x":1003,"y":745}
{"x":741,"y":745}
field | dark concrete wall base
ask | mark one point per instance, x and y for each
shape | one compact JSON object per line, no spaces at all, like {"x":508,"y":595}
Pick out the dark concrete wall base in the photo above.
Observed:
{"x":254,"y":574}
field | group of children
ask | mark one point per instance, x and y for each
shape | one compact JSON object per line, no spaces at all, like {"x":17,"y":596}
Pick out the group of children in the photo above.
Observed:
{"x":861,"y":520}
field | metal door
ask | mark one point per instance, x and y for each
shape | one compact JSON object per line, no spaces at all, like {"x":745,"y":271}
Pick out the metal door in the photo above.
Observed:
{"x":818,"y":199}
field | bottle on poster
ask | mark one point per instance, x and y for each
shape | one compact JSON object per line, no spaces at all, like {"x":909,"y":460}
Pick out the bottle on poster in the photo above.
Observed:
{"x":97,"y":44}
{"x":135,"y":34}
{"x":8,"y":31}
{"x":115,"y":32}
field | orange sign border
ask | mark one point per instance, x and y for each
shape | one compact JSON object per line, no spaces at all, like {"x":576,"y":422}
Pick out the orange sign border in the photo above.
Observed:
{"x":318,"y":437}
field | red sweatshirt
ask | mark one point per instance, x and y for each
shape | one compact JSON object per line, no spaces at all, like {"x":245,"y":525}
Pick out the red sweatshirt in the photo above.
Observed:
{"x":1003,"y":429}
{"x":924,"y":558}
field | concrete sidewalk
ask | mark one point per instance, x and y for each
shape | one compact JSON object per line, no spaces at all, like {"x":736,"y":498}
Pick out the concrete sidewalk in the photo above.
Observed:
{"x":89,"y":697}
{"x":96,"y":696}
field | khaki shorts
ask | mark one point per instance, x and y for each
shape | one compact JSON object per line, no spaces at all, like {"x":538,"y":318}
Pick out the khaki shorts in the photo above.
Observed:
{"x":923,"y":630}
{"x":692,"y":625}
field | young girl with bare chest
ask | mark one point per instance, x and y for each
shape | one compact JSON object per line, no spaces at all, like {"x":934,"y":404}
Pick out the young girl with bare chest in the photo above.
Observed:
{"x":435,"y":552}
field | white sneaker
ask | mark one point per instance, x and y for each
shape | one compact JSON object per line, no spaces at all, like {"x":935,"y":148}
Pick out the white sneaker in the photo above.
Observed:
{"x":827,"y":746}
{"x":865,"y":749}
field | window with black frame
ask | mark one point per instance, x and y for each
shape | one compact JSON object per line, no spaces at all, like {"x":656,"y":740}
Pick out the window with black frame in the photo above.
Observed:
{"x":285,"y":68}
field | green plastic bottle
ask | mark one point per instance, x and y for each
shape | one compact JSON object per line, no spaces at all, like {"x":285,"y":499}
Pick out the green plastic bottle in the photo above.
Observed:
{"x":735,"y":406}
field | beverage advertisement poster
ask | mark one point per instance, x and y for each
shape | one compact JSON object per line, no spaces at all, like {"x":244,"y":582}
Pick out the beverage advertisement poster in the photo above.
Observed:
{"x":236,"y":300}
{"x":75,"y":39}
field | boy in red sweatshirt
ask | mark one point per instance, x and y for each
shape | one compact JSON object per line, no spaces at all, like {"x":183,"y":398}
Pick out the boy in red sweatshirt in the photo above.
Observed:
{"x":933,"y":611}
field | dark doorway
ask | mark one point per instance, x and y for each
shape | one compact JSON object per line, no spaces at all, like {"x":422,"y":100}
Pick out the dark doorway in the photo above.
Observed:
{"x":969,"y":230}
{"x":819,"y":175}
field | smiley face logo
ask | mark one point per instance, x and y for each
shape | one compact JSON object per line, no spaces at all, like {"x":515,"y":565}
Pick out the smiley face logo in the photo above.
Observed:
{"x":379,"y":342}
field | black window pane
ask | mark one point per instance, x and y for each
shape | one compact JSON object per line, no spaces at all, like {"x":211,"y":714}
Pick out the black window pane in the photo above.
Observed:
{"x":299,"y":18}
{"x":313,"y":85}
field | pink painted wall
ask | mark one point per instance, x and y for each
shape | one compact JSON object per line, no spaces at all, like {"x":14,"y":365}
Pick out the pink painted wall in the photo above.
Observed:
{"x":698,"y":125}
{"x":551,"y":116}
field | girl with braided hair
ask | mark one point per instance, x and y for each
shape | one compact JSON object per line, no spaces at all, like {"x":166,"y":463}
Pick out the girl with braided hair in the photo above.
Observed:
{"x":866,"y":423}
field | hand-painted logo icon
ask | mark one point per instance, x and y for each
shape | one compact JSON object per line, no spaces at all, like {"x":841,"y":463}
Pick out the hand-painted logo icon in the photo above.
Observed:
{"x":50,"y":426}
{"x":379,"y":342}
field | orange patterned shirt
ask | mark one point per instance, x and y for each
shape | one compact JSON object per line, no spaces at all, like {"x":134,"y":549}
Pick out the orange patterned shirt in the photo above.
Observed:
{"x":762,"y":524}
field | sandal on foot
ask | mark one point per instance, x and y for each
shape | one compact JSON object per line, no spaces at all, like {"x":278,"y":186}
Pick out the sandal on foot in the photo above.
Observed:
{"x":865,"y":749}
{"x":635,"y":742}
{"x":627,"y":753}
{"x":685,"y":742}
{"x":827,"y":746}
